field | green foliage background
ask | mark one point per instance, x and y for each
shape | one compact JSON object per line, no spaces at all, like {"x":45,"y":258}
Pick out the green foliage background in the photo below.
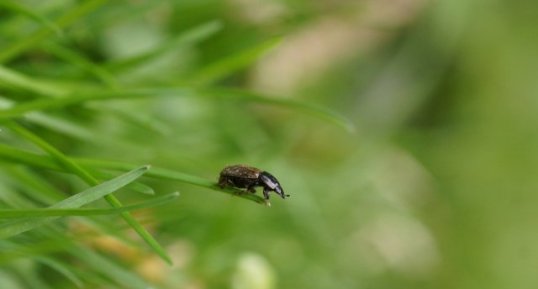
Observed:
{"x":404,"y":131}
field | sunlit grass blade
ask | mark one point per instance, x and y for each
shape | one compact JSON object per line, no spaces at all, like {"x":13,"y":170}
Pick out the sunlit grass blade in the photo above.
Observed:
{"x":19,"y":156}
{"x":72,"y":167}
{"x":52,"y":212}
{"x":87,"y":196}
{"x":43,"y":32}
{"x":160,"y":173}
{"x":134,"y":186}
{"x":230,"y":64}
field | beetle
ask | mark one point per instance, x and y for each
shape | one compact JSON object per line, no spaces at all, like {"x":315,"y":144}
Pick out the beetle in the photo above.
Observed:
{"x":246,"y":177}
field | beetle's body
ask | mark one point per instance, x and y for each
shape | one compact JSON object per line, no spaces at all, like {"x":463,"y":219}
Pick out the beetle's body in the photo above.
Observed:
{"x":245,"y":177}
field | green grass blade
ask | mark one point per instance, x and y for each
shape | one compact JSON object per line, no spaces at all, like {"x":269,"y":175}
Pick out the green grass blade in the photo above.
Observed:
{"x":160,"y":173}
{"x":111,"y":269}
{"x":53,"y":152}
{"x":14,"y":155}
{"x":33,"y":185}
{"x":303,"y":106}
{"x":190,"y":37}
{"x":78,"y":60}
{"x":226,"y":93}
{"x":16,"y":79}
{"x":52,"y":212}
{"x":43,"y":32}
{"x":18,"y":156}
{"x":73,"y":167}
{"x":230,"y":64}
{"x":21,"y":9}
{"x":48,"y":104}
{"x":90,"y":195}
{"x":62,"y":269}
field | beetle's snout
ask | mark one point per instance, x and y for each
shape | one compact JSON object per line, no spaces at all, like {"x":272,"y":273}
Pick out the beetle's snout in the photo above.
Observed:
{"x":280,"y":192}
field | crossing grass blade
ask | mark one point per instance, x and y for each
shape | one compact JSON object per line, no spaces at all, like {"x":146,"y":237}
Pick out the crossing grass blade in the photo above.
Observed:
{"x":87,"y":196}
{"x":53,"y":212}
{"x":72,"y":167}
{"x":231,"y":64}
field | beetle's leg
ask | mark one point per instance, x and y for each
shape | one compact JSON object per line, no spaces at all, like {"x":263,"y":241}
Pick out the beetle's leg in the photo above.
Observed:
{"x":266,"y":191}
{"x":251,"y":189}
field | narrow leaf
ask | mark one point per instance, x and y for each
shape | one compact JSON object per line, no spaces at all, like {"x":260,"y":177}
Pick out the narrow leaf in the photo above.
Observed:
{"x":220,"y":93}
{"x":230,"y":64}
{"x":51,"y":212}
{"x":15,"y":155}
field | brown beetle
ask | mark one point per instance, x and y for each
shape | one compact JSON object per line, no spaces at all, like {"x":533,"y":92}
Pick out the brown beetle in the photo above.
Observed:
{"x":241,"y":176}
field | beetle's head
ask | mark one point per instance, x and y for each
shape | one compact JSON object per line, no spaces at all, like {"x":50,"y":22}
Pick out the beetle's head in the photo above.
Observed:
{"x":271,"y":182}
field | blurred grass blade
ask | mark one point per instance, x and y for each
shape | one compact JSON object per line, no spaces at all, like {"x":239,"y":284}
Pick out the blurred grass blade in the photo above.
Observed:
{"x":43,"y":32}
{"x":78,"y":60}
{"x":307,"y":107}
{"x":52,"y":212}
{"x":47,"y":104}
{"x":62,"y":269}
{"x":23,"y":10}
{"x":111,"y":269}
{"x":190,"y":37}
{"x":225,"y":93}
{"x":144,"y":121}
{"x":18,"y":156}
{"x":90,"y":195}
{"x":16,"y":79}
{"x":227,"y":65}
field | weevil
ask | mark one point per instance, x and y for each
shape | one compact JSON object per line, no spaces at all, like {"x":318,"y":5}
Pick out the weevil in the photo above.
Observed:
{"x":246,"y":177}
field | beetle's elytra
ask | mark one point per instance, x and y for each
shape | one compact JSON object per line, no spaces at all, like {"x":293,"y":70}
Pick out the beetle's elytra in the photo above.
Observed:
{"x":245,"y":177}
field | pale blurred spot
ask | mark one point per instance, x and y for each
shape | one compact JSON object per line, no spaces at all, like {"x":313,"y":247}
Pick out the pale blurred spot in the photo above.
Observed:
{"x":104,"y":243}
{"x":116,"y":247}
{"x":308,"y":54}
{"x":253,"y":272}
{"x":258,"y":11}
{"x":392,"y":13}
{"x":181,"y":252}
{"x":154,"y":269}
{"x":131,"y":38}
{"x":398,"y":243}
{"x":401,"y":180}
{"x":289,"y":251}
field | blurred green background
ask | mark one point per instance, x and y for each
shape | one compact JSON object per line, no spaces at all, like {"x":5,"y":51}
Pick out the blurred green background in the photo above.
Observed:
{"x":430,"y":184}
